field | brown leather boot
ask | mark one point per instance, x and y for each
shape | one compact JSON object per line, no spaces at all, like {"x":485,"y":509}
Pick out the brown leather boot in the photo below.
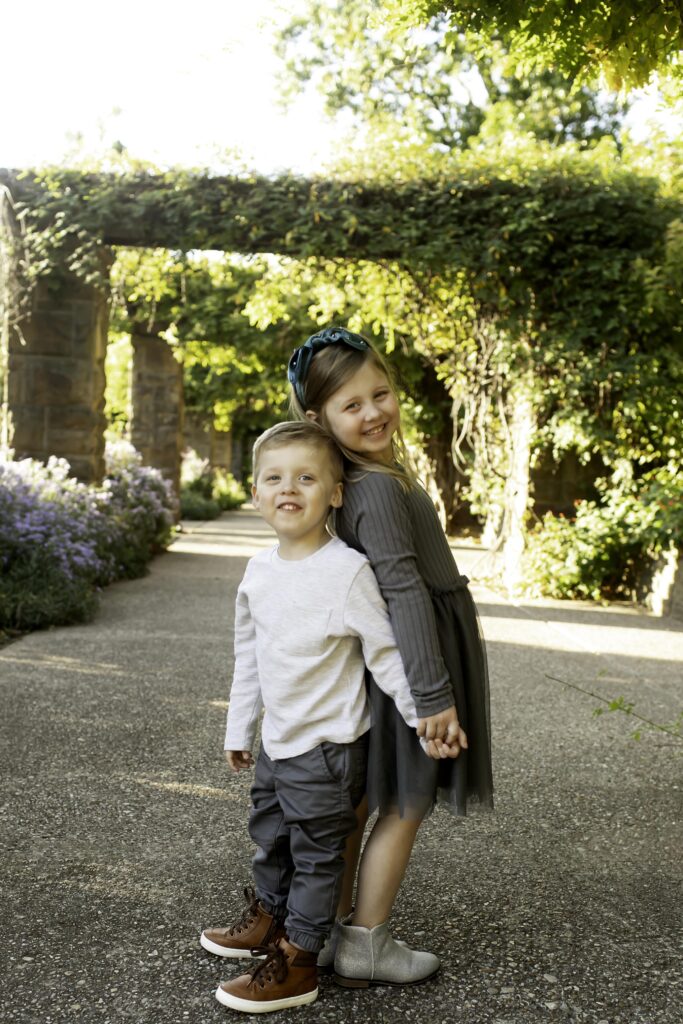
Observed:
{"x":250,"y":936}
{"x":287,"y":977}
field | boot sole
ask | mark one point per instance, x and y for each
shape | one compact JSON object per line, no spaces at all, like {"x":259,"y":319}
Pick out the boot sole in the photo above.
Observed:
{"x":226,"y":951}
{"x":251,"y":1006}
{"x":344,"y":982}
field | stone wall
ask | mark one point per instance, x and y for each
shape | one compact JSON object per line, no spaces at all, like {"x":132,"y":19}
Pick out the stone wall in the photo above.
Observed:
{"x":156,"y":421}
{"x":55,"y":386}
{"x":197,"y":434}
{"x":222,"y":451}
{"x":556,"y":486}
{"x":214,"y":445}
{"x":675,"y":605}
{"x":662,"y":586}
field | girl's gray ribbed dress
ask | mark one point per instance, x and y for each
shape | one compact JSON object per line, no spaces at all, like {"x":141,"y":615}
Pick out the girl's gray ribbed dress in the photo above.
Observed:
{"x":438,"y":634}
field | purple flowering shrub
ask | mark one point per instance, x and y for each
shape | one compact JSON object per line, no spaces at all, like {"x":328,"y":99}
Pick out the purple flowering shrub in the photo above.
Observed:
{"x":142,"y":511}
{"x":48,"y":563}
{"x":60,"y":540}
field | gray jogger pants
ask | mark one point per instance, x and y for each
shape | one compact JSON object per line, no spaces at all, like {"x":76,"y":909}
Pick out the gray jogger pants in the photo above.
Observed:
{"x":302,"y":813}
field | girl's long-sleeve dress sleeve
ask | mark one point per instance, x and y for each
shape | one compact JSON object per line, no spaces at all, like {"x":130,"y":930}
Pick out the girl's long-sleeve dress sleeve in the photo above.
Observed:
{"x":385,"y":533}
{"x":437,"y":633}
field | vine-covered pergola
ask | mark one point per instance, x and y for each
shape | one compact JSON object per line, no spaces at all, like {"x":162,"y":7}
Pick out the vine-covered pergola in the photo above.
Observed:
{"x":528,"y":247}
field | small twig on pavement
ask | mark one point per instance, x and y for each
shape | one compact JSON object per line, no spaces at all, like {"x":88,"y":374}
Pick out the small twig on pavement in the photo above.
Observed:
{"x":621,"y":705}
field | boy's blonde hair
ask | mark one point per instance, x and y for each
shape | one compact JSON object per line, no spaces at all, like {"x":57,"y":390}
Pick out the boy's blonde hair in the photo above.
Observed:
{"x":302,"y":431}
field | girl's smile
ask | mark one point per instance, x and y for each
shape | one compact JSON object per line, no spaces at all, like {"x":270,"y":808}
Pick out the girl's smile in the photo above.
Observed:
{"x":363,"y":415}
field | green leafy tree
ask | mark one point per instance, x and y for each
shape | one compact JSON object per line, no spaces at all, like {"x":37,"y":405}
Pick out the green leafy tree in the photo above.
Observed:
{"x":430,"y":81}
{"x":529,"y":287}
{"x":386,"y":301}
{"x":234,"y":374}
{"x":554,"y":314}
{"x":627,"y":40}
{"x":415,"y":99}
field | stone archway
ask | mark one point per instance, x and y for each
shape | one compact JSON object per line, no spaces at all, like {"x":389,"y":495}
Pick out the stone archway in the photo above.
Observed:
{"x":56,"y":380}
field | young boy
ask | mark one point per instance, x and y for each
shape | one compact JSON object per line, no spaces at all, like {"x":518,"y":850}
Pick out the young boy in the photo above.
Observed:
{"x":309,"y":617}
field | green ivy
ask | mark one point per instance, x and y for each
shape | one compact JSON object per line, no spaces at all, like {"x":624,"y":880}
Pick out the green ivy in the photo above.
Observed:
{"x":560,"y":266}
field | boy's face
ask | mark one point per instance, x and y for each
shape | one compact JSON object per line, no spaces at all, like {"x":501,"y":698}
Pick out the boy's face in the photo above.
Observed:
{"x":293,"y":490}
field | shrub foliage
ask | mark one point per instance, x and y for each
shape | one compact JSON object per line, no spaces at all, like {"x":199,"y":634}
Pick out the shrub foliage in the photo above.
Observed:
{"x":205,"y":490}
{"x":62,"y":541}
{"x":603,"y":552}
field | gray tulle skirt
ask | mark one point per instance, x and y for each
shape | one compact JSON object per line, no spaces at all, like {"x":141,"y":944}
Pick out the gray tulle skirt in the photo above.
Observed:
{"x":401,"y":777}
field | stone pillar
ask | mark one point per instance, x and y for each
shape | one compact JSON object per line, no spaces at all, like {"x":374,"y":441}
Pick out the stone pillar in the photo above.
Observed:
{"x":221,"y":450}
{"x":156,"y":422}
{"x":55,"y":380}
{"x":557,"y":486}
{"x":517,"y":485}
{"x":238,"y":455}
{"x":213,"y":445}
{"x":197,"y":434}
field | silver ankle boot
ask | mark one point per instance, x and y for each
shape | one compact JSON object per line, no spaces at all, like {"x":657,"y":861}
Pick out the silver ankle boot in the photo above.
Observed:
{"x":371,"y":956}
{"x":327,"y":953}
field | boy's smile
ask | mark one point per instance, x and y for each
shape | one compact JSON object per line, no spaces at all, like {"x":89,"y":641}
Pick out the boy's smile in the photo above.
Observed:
{"x":294,"y":490}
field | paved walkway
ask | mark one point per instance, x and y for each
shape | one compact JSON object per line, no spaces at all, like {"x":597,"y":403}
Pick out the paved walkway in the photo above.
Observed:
{"x":124,"y":833}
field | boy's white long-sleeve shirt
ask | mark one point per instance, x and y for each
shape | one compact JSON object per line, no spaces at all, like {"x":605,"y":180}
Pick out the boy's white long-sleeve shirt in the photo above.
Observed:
{"x":304,"y":631}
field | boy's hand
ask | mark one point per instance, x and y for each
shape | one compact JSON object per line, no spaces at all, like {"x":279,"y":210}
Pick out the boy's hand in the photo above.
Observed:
{"x":443,"y":734}
{"x":239,"y":759}
{"x":438,"y":749}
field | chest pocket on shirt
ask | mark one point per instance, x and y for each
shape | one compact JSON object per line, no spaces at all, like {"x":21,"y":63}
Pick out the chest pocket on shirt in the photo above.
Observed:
{"x":308,"y":635}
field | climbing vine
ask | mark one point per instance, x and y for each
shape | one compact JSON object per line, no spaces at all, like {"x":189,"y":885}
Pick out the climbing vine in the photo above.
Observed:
{"x":561,"y":268}
{"x":513,"y":231}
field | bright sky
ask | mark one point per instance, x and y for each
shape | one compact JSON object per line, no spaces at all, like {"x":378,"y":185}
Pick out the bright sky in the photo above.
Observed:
{"x":175,"y":82}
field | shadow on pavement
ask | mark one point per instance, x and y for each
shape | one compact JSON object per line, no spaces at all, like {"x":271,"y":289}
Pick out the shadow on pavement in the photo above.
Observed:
{"x":123,"y":833}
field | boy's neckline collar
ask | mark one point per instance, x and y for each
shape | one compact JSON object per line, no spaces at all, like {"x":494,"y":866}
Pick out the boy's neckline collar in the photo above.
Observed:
{"x":305,"y":558}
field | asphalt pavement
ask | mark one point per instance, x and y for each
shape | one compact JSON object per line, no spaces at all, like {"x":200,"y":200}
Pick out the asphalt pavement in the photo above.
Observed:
{"x":123,"y":833}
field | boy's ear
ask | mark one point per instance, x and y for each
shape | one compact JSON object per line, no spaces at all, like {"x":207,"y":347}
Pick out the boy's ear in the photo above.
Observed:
{"x":337,"y":496}
{"x":310,"y":415}
{"x":254,"y":496}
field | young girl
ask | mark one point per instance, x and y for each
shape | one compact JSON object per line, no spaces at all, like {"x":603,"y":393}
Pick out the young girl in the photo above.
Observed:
{"x":340,"y":381}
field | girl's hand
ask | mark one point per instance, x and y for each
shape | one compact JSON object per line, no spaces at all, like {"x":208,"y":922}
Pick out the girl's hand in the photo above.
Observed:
{"x":438,"y":749}
{"x":239,"y":759}
{"x":442,"y":730}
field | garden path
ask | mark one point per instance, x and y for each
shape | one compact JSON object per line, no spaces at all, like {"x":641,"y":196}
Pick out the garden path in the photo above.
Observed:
{"x":123,"y":833}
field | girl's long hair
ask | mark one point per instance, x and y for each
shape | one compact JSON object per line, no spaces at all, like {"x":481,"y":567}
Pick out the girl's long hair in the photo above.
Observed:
{"x":330,"y":368}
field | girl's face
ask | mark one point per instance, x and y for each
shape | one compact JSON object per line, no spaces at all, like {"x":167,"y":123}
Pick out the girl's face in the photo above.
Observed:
{"x":363,"y":414}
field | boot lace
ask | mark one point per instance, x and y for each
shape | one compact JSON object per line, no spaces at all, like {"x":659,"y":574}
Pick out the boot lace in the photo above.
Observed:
{"x":248,"y":914}
{"x":273,"y":969}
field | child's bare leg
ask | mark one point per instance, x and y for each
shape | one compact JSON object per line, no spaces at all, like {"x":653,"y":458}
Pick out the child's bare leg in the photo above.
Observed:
{"x":382,"y":867}
{"x":351,"y":855}
{"x":366,"y":952}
